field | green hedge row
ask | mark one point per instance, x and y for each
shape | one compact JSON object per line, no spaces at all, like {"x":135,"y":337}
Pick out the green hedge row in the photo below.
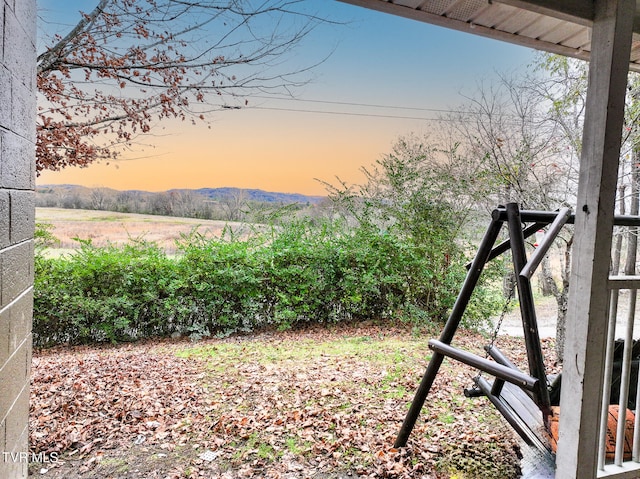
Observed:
{"x":299,"y":272}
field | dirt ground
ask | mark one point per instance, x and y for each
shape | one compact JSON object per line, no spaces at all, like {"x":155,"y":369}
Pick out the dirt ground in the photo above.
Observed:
{"x":324,"y":403}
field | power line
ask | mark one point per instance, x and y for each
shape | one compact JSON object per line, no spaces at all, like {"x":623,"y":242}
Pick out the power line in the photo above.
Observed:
{"x":346,"y":113}
{"x":368,"y":105}
{"x":515,"y":121}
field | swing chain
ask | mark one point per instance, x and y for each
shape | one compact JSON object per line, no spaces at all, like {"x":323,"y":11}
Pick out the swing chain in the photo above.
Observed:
{"x":496,"y":330}
{"x":503,"y":314}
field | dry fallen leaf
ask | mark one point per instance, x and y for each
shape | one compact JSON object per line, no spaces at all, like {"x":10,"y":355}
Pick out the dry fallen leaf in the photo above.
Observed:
{"x":323,"y":415}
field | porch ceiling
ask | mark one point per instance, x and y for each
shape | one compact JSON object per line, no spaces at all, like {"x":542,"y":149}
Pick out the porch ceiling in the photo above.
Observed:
{"x":556,"y":26}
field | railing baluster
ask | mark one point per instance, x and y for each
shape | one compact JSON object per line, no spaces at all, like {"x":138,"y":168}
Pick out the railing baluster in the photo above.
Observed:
{"x":625,"y":380}
{"x":608,"y":369}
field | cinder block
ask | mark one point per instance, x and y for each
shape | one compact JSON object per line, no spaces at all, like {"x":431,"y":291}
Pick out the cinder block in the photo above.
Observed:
{"x":17,"y":421}
{"x":22,"y":446}
{"x":19,"y":51}
{"x":26,"y":13}
{"x":27,"y":360}
{"x":22,"y":213}
{"x":5,"y":322}
{"x":30,"y":262}
{"x":2,"y":9}
{"x":5,"y":94}
{"x":20,"y":320}
{"x":13,"y":379}
{"x":23,"y":441}
{"x":13,"y":468}
{"x":18,"y":158}
{"x":16,"y":270}
{"x":5,"y":219}
{"x":3,"y":438}
{"x":13,"y":465}
{"x":23,"y":110}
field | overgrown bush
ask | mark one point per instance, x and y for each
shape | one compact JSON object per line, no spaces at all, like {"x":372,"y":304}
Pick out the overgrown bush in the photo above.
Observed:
{"x":297,"y":272}
{"x":97,"y":294}
{"x":219,"y":284}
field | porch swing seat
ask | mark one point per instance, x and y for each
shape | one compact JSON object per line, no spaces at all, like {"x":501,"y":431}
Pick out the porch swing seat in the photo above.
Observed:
{"x":527,"y":419}
{"x":521,"y":412}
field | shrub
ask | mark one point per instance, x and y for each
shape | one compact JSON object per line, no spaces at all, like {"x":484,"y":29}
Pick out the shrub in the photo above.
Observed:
{"x":220,"y":279}
{"x":298,"y":272}
{"x":96,"y":294}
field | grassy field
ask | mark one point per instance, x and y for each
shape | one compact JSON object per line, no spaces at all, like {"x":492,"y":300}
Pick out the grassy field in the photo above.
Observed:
{"x":107,"y":226}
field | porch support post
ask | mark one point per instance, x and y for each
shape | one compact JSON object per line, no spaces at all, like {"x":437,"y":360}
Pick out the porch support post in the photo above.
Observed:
{"x":586,"y":327}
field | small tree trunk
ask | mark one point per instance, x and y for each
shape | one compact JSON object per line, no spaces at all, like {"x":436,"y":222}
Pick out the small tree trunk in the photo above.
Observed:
{"x":543,"y":277}
{"x":632,"y":241}
{"x":548,"y":283}
{"x":562,"y":302}
{"x":508,"y":284}
{"x":562,"y":295}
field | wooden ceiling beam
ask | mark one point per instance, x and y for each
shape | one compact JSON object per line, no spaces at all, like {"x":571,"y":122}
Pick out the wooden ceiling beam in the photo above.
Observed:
{"x":575,"y":11}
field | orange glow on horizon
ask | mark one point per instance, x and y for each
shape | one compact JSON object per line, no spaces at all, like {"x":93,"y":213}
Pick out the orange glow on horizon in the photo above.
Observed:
{"x":272,"y":152}
{"x":367,"y":90}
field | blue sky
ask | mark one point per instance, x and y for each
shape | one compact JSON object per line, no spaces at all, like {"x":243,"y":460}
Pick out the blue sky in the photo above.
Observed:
{"x":375,"y":59}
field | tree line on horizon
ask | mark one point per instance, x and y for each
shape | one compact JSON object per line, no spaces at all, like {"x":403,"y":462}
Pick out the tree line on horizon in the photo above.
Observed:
{"x":232,"y":204}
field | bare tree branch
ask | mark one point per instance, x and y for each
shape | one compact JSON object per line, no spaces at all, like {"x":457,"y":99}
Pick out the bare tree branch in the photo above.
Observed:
{"x":132,"y":63}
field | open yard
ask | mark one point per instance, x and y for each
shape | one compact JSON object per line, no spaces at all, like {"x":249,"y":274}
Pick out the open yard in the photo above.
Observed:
{"x":320,"y":403}
{"x":324,"y":402}
{"x":107,"y":226}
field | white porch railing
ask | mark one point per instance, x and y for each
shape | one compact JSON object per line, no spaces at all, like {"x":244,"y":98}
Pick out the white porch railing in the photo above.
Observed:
{"x":623,"y":328}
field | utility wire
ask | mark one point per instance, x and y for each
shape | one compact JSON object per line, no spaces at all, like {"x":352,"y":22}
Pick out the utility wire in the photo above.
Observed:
{"x":346,"y":113}
{"x":369,"y":105}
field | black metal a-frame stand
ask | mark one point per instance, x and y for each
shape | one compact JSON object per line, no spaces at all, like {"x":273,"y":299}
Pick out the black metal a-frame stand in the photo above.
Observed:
{"x":523,"y":399}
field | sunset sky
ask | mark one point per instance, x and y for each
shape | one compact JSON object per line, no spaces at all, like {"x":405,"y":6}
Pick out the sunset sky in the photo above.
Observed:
{"x":385,"y":77}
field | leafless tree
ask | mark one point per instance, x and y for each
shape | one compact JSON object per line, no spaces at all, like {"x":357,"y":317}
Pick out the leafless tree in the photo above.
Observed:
{"x":234,"y":204}
{"x":524,"y":148}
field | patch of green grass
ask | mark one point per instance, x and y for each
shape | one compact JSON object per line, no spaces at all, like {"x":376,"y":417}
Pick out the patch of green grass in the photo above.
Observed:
{"x":385,"y":351}
{"x":447,"y":418}
{"x":115,"y":464}
{"x":293,"y":446}
{"x":266,"y":451}
{"x":109,"y":218}
{"x":254,"y":446}
{"x":397,"y":393}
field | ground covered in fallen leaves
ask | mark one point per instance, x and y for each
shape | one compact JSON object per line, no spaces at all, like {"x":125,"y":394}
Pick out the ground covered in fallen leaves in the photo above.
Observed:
{"x":321,"y":403}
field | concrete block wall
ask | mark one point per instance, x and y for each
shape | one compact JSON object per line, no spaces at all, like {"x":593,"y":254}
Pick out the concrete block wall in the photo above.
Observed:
{"x":17,"y":211}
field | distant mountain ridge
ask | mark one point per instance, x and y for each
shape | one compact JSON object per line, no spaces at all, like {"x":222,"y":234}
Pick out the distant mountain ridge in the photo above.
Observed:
{"x":250,"y":194}
{"x":253,"y":194}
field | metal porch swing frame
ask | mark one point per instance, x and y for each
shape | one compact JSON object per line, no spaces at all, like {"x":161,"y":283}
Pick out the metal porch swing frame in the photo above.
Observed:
{"x":522,"y":398}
